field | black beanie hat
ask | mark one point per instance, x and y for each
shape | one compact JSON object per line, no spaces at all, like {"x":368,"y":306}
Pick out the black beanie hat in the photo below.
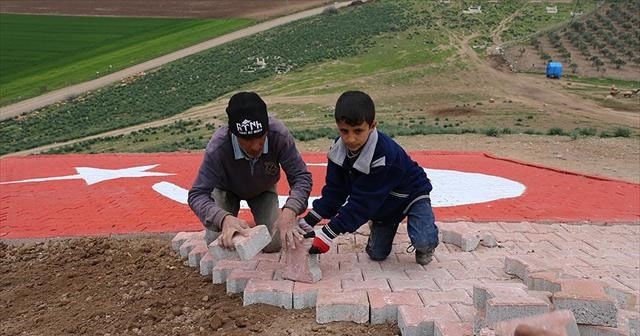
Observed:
{"x":247,"y":115}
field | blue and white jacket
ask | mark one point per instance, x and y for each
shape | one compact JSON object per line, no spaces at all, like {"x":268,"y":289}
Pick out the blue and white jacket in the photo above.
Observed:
{"x":381,"y":185}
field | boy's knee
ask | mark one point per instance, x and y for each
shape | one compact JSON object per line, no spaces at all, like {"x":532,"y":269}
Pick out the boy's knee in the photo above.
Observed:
{"x":377,"y":256}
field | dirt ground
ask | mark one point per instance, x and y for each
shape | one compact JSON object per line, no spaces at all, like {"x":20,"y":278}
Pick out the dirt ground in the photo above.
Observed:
{"x":254,"y":9}
{"x":138,"y":286}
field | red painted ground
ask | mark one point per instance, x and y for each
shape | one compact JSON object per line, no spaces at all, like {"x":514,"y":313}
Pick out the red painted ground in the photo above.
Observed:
{"x":129,"y":205}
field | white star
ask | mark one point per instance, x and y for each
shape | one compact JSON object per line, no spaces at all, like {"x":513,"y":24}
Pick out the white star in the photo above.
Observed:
{"x":95,"y":175}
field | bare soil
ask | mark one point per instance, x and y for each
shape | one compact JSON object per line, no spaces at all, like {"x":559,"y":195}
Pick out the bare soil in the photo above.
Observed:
{"x":108,"y":286}
{"x":253,"y":9}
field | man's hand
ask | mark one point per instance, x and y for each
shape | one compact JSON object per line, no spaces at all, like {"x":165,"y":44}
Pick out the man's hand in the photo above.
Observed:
{"x":231,"y":225}
{"x":322,"y":239}
{"x":290,"y":233}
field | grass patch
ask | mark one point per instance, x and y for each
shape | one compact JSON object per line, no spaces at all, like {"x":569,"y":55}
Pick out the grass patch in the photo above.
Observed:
{"x":606,"y":82}
{"x":42,"y":53}
{"x":203,"y":77}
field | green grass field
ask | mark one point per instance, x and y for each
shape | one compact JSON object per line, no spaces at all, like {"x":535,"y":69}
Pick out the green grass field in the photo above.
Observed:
{"x":43,"y":53}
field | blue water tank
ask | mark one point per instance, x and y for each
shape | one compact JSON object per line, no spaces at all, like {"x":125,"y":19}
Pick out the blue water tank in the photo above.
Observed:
{"x":554,"y":70}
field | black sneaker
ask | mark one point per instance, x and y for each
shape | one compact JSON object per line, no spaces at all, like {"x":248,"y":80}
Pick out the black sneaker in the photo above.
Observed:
{"x":424,"y":258}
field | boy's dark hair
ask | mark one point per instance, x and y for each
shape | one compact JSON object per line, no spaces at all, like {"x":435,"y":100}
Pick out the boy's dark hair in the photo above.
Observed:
{"x":354,"y":107}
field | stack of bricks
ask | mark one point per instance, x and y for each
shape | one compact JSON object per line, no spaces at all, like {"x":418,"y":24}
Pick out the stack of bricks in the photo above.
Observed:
{"x":599,"y":308}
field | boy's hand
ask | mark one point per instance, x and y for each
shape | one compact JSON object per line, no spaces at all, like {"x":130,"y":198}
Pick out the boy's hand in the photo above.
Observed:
{"x":322,"y":239}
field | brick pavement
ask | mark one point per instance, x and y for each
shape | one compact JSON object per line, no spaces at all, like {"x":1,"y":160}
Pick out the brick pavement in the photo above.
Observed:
{"x":591,"y":270}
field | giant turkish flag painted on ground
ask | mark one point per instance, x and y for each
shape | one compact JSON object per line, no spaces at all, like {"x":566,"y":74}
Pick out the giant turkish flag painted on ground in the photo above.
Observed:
{"x":72,"y":195}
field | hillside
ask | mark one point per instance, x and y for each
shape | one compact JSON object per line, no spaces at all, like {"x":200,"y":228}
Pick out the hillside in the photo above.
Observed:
{"x":429,"y":69}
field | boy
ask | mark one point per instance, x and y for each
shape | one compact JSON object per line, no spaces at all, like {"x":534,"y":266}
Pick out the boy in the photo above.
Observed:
{"x":379,"y":182}
{"x":242,"y":162}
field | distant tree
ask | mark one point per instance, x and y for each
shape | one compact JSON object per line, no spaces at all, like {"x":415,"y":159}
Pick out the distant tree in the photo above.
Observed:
{"x":619,"y":62}
{"x":573,"y":67}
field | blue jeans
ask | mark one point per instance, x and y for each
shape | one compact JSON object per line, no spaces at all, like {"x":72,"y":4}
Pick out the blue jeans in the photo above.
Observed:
{"x":421,"y":227}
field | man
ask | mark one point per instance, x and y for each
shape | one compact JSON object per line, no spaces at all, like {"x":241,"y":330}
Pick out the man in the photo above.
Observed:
{"x":242,"y":162}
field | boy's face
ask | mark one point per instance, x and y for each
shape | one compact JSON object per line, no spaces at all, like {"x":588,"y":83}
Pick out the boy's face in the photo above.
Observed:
{"x":354,"y":137}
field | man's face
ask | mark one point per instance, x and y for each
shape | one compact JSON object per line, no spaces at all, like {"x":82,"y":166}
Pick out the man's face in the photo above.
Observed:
{"x":354,"y":137}
{"x":252,"y":147}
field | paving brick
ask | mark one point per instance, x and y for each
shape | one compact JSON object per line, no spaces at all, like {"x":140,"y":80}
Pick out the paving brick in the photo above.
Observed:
{"x":429,"y":274}
{"x":624,"y":297}
{"x":354,"y":274}
{"x":348,"y":248}
{"x":523,"y":265}
{"x":277,"y":293}
{"x":245,"y":247}
{"x":384,"y":305}
{"x":269,"y":265}
{"x":560,"y":322}
{"x":369,"y":266}
{"x":206,"y":264}
{"x":435,"y":298}
{"x":419,"y":321}
{"x":591,"y":330}
{"x":461,"y":235}
{"x":189,"y":245}
{"x":631,"y":283}
{"x":238,"y":278}
{"x":446,"y":328}
{"x":350,"y":285}
{"x":484,"y":292}
{"x":181,"y":237}
{"x":351,"y":307}
{"x":502,"y":237}
{"x":588,"y":301}
{"x":517,"y":227}
{"x":305,"y":294}
{"x":629,"y":320}
{"x":399,"y":285}
{"x":495,"y":303}
{"x":464,"y":311}
{"x":543,"y":281}
{"x":374,"y":275}
{"x":504,"y":308}
{"x":271,"y":257}
{"x":196,"y":254}
{"x":224,"y":267}
{"x":300,"y":265}
{"x":336,"y":258}
{"x":475,"y":273}
{"x":466,"y":285}
{"x":398,"y":262}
